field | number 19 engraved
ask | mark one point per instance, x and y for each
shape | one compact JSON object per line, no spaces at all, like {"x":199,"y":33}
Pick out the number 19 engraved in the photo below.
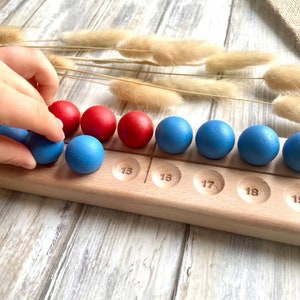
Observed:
{"x":292,"y":196}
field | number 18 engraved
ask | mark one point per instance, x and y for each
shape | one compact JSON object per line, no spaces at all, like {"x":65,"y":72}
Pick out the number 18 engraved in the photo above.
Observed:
{"x":252,"y":191}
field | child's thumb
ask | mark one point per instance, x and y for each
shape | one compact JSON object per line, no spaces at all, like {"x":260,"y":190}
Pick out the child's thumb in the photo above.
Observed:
{"x":15,"y":153}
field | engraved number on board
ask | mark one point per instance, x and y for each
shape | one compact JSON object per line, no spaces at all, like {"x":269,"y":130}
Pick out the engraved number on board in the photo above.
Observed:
{"x":296,"y":198}
{"x":207,"y":183}
{"x":252,"y":191}
{"x":126,"y":170}
{"x":166,"y":177}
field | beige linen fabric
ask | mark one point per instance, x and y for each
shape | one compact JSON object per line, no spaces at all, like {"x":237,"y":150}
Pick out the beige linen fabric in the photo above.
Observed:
{"x":289,"y":12}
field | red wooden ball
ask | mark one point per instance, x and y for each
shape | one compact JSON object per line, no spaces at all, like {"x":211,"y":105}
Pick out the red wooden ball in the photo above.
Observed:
{"x":135,"y":129}
{"x":99,"y":121}
{"x":68,"y":113}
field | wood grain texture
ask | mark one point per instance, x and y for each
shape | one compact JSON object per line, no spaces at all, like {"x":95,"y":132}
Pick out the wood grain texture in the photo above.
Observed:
{"x":134,"y":261}
{"x":52,"y":249}
{"x":236,"y":267}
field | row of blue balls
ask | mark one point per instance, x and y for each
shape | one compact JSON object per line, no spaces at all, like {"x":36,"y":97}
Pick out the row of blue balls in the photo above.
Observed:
{"x":84,"y":154}
{"x":257,"y":145}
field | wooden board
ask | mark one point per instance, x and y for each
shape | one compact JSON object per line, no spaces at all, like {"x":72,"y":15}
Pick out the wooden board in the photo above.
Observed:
{"x":57,"y":249}
{"x":226,"y":194}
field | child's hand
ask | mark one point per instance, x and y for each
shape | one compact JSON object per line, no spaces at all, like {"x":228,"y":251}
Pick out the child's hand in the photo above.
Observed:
{"x":28,"y":84}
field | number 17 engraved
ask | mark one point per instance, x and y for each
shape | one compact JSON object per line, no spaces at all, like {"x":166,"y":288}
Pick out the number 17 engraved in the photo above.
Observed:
{"x":207,"y":183}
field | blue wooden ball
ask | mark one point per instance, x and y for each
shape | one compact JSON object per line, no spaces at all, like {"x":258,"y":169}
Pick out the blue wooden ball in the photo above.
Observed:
{"x":291,"y":152}
{"x":84,"y":154}
{"x":173,"y":135}
{"x":43,"y":150}
{"x":258,"y":145}
{"x":215,"y":139}
{"x":17,"y":134}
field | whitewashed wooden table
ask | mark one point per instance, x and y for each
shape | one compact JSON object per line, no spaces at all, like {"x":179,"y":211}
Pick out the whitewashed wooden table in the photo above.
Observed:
{"x":53,"y":249}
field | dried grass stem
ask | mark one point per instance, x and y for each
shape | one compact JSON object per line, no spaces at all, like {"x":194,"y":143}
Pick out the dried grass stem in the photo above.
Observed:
{"x":236,"y":60}
{"x":287,"y":106}
{"x":283,"y":78}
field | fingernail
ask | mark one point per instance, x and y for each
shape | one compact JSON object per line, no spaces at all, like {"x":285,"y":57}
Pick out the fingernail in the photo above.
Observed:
{"x":59,"y":121}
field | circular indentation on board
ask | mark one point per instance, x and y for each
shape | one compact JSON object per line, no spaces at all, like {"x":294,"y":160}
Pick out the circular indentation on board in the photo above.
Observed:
{"x":208,"y":182}
{"x":166,"y":175}
{"x":253,"y":190}
{"x":292,"y":196}
{"x":126,"y":169}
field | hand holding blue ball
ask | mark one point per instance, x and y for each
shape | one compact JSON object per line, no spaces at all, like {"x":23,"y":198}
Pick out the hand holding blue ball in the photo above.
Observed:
{"x":43,"y":150}
{"x":17,"y":134}
{"x":257,"y":145}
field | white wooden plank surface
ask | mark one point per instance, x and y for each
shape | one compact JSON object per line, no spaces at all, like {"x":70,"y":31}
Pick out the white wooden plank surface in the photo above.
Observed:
{"x":61,"y":250}
{"x":218,"y":265}
{"x":119,"y":251}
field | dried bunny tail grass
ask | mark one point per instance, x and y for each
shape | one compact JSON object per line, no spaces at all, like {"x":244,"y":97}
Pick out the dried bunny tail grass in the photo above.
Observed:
{"x":288,"y":107}
{"x":59,"y":61}
{"x":95,"y":38}
{"x":137,"y":46}
{"x":283,"y":78}
{"x":10,"y":35}
{"x":236,"y":60}
{"x":134,"y":91}
{"x":200,"y":88}
{"x":180,"y":52}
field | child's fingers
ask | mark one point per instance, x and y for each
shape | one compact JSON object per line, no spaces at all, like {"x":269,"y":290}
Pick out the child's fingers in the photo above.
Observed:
{"x":46,"y":77}
{"x":14,"y":153}
{"x":19,"y":110}
{"x":13,"y":79}
{"x":32,"y":65}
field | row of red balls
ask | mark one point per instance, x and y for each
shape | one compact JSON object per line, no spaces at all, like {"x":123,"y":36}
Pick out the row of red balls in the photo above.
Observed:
{"x":135,"y":129}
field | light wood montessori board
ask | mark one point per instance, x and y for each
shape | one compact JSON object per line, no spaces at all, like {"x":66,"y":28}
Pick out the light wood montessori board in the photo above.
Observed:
{"x":225,"y":194}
